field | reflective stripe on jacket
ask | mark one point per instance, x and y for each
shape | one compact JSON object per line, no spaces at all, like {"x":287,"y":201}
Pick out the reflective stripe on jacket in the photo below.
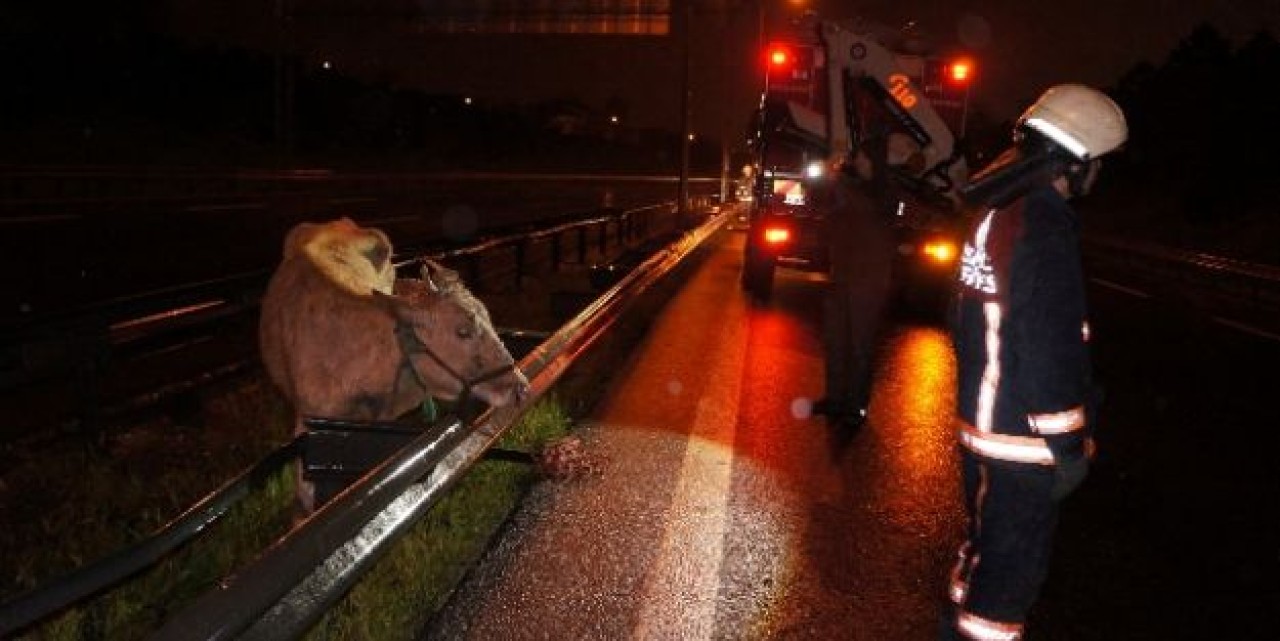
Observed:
{"x":1021,"y":333}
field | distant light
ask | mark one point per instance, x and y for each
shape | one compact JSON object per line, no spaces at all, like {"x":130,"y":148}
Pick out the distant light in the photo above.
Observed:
{"x":814,"y":170}
{"x":690,"y":136}
{"x":613,"y":119}
{"x":466,"y":100}
{"x":326,"y":64}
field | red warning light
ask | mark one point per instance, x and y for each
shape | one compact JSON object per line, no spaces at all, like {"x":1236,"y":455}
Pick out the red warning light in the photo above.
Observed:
{"x":960,"y":71}
{"x":779,"y":56}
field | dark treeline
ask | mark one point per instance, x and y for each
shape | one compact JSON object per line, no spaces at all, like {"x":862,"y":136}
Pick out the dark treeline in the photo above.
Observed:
{"x":1205,"y":125}
{"x":1198,"y":169}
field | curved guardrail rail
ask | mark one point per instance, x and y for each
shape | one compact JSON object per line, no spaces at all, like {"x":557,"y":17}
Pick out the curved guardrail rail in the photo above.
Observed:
{"x":29,"y":607}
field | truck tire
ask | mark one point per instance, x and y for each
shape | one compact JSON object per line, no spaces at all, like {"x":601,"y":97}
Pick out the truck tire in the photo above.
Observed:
{"x":757,"y":275}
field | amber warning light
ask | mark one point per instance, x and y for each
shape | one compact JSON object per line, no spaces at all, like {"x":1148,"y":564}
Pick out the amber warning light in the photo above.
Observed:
{"x":940,"y":250}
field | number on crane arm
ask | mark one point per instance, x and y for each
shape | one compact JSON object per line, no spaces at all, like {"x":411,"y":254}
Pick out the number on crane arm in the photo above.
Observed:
{"x":900,"y":89}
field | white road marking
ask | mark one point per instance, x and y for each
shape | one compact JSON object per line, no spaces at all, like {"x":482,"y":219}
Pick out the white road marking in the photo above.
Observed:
{"x":681,"y":588}
{"x":1236,"y":325}
{"x":1121,"y":288}
{"x":1246,"y":328}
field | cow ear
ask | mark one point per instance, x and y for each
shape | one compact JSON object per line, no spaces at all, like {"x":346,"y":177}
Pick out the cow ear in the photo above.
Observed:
{"x":426,"y":277}
{"x":441,"y":278}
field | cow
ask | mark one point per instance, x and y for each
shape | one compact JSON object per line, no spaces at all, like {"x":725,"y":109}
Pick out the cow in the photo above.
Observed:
{"x":342,"y":337}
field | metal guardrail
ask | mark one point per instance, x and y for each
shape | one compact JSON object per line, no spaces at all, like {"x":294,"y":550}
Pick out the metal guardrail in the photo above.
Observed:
{"x":21,"y":185}
{"x":289,"y":587}
{"x":1256,"y":284}
{"x":89,"y":341}
{"x":89,"y":579}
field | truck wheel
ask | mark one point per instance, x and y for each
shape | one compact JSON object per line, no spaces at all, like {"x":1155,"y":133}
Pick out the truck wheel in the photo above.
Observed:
{"x":757,"y":275}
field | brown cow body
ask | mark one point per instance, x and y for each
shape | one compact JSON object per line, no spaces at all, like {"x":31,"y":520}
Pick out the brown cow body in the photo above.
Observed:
{"x":329,"y":340}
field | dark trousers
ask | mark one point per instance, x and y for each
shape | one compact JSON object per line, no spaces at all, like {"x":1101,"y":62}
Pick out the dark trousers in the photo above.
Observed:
{"x":852,"y":315}
{"x":1003,"y":563}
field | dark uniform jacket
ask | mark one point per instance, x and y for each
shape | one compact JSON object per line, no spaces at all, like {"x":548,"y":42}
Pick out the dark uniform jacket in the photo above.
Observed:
{"x":859,"y":233}
{"x":1021,"y":334}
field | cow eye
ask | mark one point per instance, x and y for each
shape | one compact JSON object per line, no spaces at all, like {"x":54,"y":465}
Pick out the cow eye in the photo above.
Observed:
{"x":466,"y":331}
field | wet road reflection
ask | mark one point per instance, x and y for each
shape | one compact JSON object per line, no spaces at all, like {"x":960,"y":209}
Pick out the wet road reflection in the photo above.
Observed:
{"x":726,"y":511}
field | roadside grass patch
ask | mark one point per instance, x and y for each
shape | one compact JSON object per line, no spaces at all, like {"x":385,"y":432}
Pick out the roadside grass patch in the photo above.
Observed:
{"x":417,"y":575}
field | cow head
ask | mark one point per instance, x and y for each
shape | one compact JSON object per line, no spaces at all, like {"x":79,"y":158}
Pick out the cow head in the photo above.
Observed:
{"x":448,"y":340}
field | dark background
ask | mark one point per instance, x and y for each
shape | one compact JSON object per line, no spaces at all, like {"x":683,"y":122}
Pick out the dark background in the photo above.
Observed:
{"x":173,"y":83}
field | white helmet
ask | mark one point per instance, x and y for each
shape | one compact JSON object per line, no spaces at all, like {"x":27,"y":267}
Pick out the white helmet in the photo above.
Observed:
{"x":1080,"y":119}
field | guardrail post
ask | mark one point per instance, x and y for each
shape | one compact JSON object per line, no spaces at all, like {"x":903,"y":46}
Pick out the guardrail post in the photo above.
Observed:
{"x":90,"y":353}
{"x":555,"y":252}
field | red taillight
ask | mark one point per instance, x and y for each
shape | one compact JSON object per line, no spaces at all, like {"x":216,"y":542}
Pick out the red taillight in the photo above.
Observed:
{"x":776,"y":235}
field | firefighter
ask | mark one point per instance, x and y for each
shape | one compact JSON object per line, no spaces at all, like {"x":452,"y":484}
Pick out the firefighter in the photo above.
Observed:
{"x":1025,"y":396}
{"x":860,"y":247}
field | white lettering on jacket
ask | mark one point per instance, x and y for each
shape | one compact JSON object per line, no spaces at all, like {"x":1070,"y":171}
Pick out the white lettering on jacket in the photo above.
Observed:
{"x":975,"y":266}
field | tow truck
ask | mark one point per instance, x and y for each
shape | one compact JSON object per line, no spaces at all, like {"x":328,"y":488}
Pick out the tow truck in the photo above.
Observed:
{"x":830,"y":85}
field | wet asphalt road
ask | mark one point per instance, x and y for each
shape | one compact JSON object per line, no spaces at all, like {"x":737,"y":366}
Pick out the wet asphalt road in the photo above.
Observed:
{"x":723,"y":512}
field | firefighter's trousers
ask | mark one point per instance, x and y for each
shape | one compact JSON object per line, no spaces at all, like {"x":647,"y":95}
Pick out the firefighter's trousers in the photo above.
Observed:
{"x":1003,"y":563}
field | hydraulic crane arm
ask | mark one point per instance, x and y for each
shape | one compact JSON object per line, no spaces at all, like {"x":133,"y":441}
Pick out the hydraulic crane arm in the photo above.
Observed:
{"x":861,"y":71}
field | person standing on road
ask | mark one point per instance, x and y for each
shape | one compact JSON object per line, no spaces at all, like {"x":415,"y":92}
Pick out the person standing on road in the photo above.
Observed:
{"x":1025,"y":398}
{"x":860,"y":245}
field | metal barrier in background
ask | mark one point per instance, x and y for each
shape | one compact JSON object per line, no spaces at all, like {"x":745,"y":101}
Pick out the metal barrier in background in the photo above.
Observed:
{"x":1253,"y":284}
{"x":96,"y":340}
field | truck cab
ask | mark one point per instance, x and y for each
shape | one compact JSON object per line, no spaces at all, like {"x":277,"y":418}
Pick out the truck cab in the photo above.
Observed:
{"x":784,"y":227}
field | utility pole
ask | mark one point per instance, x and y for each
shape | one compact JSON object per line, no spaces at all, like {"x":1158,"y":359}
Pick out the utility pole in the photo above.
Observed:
{"x":685,"y":107}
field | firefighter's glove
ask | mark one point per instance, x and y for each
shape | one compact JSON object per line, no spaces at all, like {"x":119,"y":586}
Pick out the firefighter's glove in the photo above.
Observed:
{"x":1068,"y":474}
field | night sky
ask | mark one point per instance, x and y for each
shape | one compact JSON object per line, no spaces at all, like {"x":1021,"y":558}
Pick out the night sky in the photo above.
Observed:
{"x":1026,"y":45}
{"x":1022,"y":47}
